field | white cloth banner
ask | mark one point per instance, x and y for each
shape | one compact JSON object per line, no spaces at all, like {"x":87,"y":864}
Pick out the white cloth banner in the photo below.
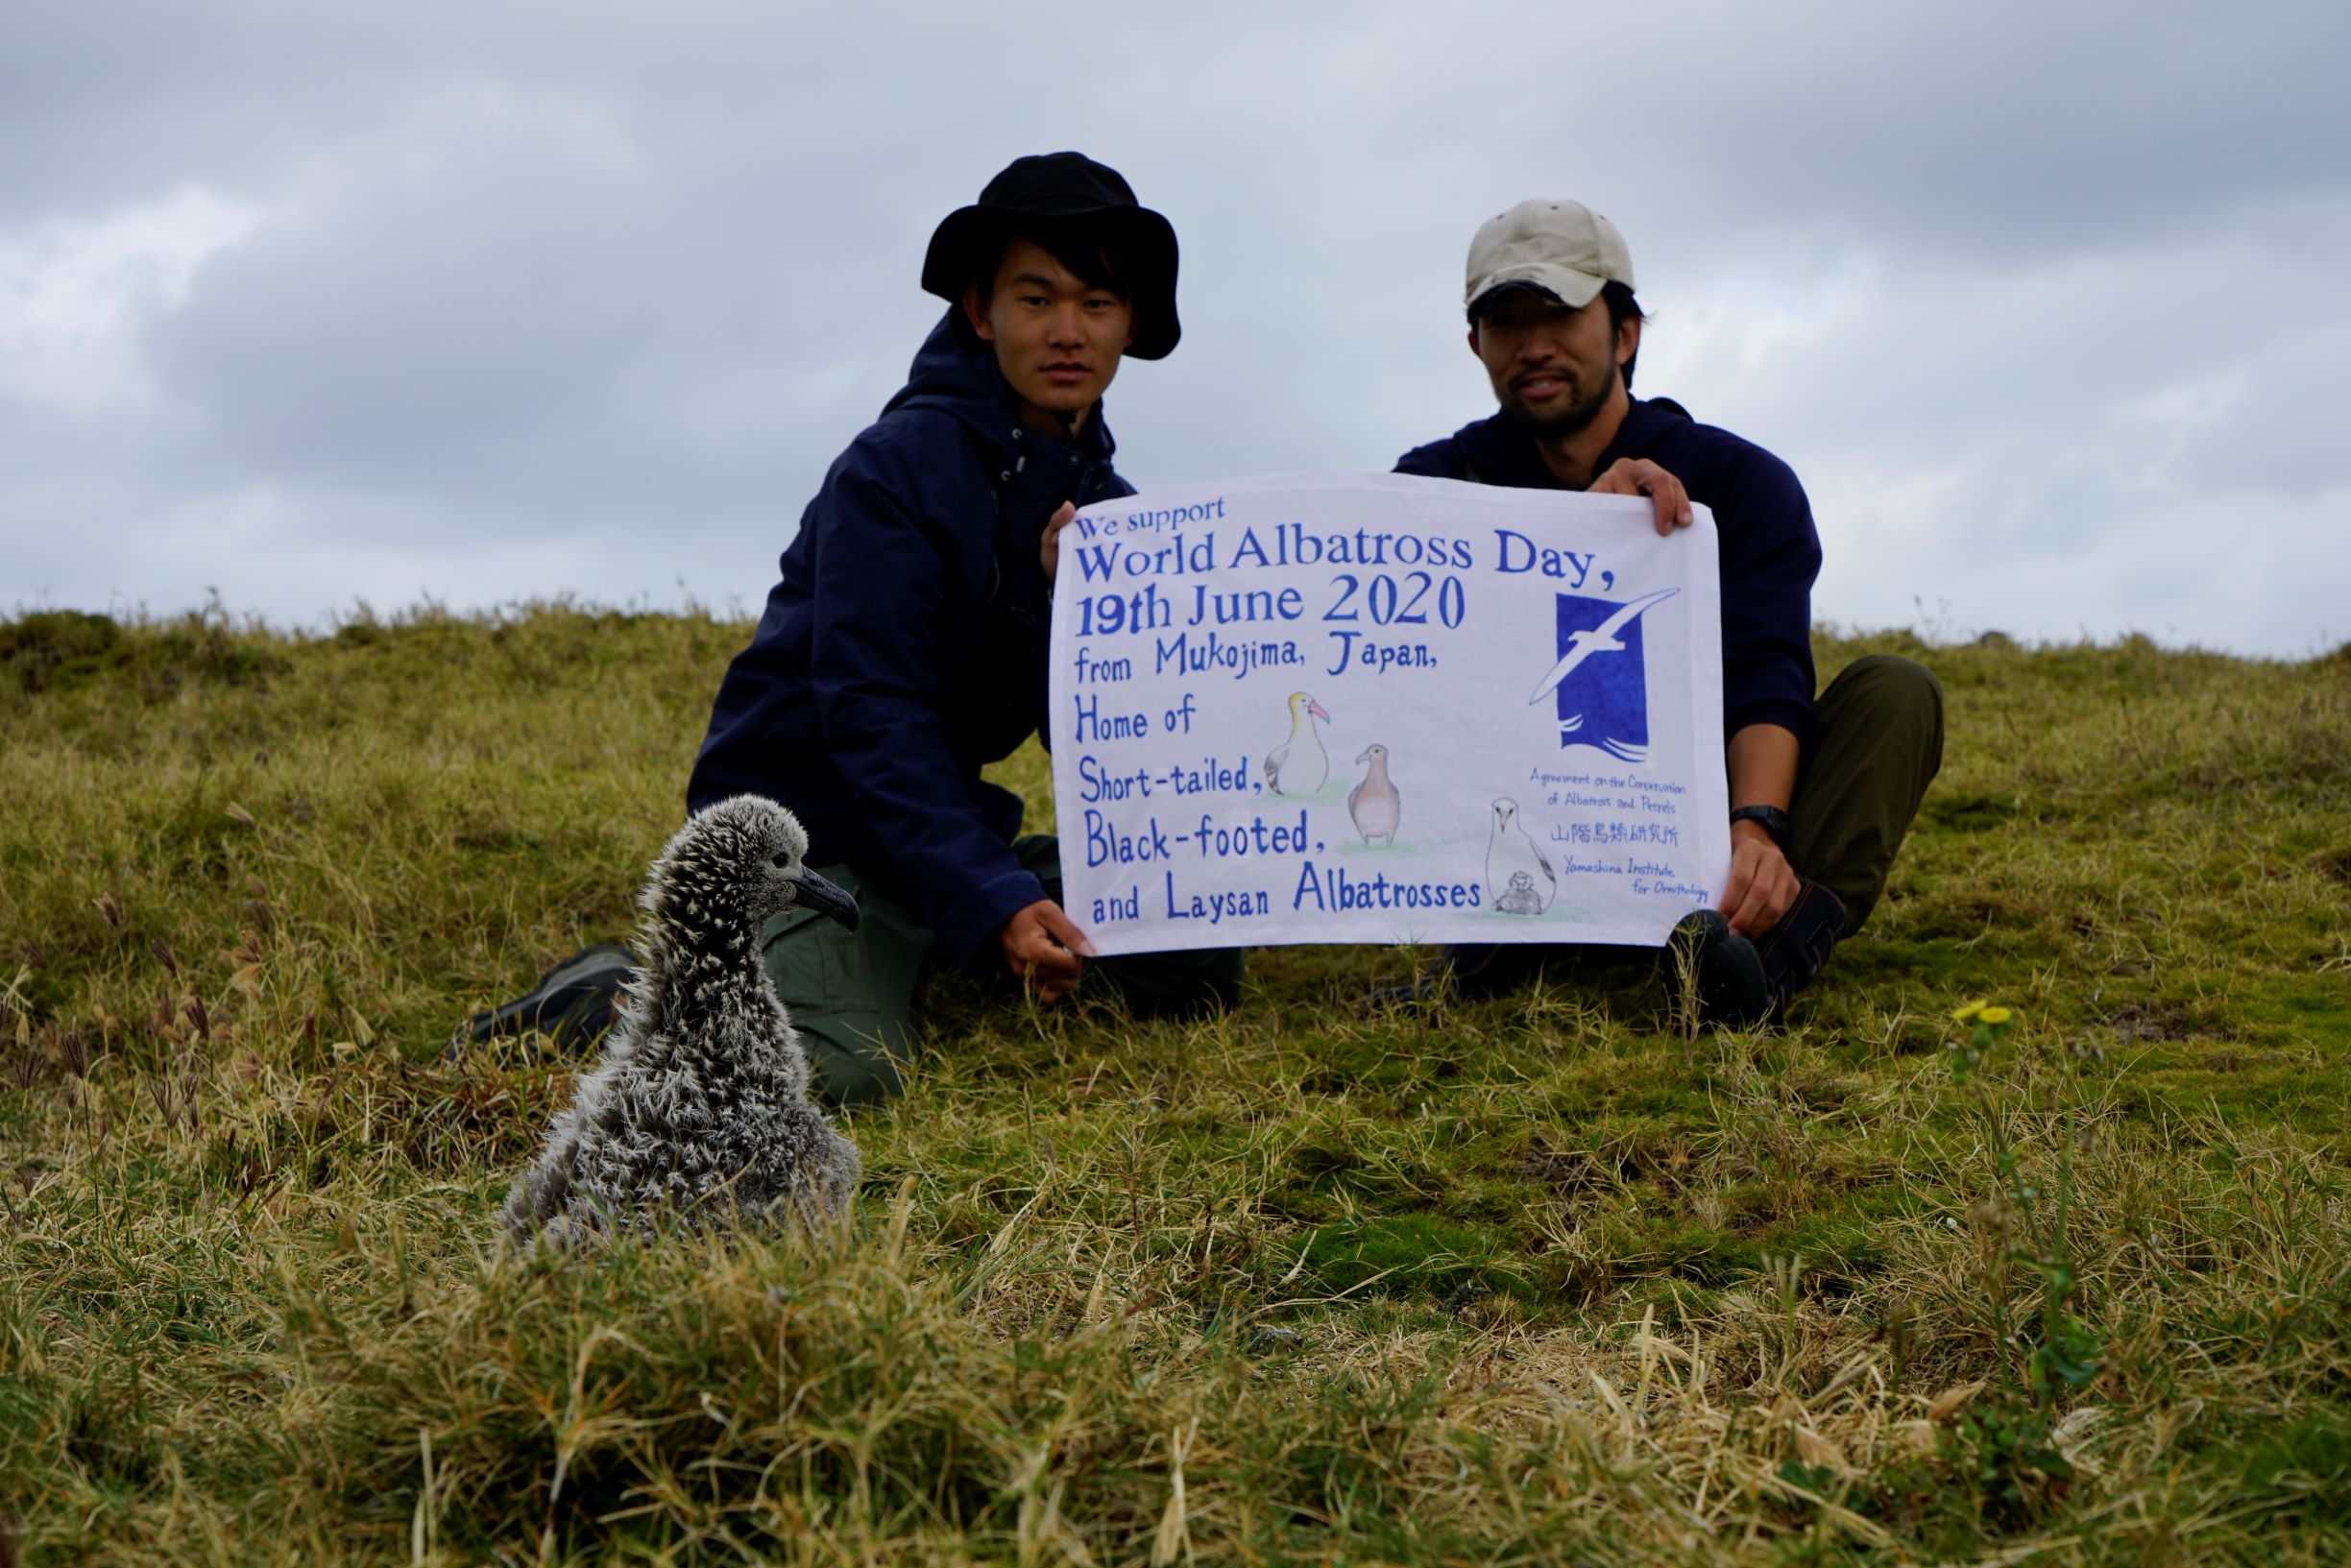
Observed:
{"x":1372,"y":708}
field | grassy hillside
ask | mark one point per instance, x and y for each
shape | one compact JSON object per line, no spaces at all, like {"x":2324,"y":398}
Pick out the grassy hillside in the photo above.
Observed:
{"x":1556,"y":1279}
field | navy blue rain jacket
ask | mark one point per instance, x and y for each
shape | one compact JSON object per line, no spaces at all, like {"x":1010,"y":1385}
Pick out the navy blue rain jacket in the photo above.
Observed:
{"x":1769,"y":551}
{"x":904,"y":646}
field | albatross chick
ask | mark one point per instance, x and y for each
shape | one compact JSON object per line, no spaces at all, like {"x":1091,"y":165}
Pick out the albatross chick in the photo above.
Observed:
{"x":699,"y":1107}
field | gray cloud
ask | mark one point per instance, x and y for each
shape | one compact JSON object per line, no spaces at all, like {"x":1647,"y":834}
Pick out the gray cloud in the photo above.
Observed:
{"x":488,"y":301}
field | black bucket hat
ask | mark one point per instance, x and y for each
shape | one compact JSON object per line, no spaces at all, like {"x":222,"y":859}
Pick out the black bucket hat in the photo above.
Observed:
{"x":1049,"y":195}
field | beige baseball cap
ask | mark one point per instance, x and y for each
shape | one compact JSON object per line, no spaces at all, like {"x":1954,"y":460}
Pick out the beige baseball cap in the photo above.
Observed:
{"x":1563,"y":248}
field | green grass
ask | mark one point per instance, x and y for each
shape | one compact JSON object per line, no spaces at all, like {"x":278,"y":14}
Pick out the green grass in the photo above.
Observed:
{"x":1546,"y":1280}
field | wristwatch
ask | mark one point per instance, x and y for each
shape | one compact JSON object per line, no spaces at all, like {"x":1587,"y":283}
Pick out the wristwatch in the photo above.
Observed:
{"x":1775,"y":821}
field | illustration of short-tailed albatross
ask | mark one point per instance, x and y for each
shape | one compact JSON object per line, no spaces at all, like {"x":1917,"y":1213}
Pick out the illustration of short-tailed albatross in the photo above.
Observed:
{"x":1299,"y":766}
{"x":1582,"y":644}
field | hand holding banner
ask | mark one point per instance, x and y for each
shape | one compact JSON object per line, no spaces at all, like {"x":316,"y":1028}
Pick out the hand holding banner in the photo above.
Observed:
{"x":1382,"y":709}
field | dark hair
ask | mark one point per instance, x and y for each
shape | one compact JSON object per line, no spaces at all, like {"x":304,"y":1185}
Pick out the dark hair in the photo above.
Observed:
{"x":1093,"y":263}
{"x":1622,"y":307}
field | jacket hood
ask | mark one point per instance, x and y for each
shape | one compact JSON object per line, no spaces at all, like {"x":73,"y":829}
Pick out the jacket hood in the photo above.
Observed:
{"x":954,"y":375}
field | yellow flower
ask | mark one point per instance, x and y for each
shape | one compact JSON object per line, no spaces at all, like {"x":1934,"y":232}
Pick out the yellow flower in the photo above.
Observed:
{"x":1994,"y":1014}
{"x":1963,"y":1014}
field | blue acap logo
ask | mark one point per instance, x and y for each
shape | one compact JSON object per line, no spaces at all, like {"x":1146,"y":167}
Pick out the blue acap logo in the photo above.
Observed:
{"x":1601,"y":679}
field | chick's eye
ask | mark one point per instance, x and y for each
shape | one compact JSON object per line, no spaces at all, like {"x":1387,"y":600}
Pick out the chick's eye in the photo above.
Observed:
{"x":782,"y":859}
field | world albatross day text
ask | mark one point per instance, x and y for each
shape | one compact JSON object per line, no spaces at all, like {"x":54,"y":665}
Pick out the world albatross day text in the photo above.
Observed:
{"x":1368,"y":708}
{"x":1401,"y":581}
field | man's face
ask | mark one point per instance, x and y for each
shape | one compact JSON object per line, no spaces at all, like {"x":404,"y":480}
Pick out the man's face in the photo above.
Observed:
{"x":1057,"y":338}
{"x":1553,"y":365}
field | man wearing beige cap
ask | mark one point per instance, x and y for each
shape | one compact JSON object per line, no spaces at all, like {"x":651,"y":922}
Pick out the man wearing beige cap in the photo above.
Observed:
{"x":1822,"y":791}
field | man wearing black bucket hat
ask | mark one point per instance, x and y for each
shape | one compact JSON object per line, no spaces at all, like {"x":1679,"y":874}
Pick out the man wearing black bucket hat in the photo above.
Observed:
{"x":904,"y":647}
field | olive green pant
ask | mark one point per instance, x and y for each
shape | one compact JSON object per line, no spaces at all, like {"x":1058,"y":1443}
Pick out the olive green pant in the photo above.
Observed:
{"x":1877,"y":744}
{"x":852,"y":994}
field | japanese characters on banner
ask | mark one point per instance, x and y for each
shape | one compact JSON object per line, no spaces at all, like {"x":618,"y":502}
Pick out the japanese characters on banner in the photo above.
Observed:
{"x":1372,"y":708}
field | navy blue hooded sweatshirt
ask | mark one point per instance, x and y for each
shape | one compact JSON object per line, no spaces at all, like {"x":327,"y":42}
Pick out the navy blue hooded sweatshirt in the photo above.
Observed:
{"x":904,"y":647}
{"x":1770,"y":552}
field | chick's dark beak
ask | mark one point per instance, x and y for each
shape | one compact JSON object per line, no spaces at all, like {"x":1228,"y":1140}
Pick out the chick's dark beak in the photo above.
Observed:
{"x":825,"y":898}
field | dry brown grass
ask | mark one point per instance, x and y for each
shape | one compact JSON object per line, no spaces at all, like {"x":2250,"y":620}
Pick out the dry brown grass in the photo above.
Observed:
{"x":1551,"y":1280}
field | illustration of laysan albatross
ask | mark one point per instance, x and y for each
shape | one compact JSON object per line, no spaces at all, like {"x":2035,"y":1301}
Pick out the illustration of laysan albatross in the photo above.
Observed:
{"x":1518,"y":874}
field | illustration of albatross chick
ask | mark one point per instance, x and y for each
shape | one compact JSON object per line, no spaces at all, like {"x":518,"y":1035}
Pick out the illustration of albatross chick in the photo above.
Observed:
{"x":1518,"y":872}
{"x":1519,"y":898}
{"x":1373,"y":803}
{"x":1299,"y":766}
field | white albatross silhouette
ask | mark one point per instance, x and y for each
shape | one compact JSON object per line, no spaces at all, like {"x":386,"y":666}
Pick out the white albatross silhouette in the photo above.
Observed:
{"x":1582,"y":644}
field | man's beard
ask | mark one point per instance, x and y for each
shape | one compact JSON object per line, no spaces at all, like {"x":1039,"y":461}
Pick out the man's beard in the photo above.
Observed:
{"x":1572,"y":420}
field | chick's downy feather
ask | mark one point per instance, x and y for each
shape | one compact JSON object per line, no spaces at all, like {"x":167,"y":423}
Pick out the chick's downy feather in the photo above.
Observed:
{"x":699,"y":1105}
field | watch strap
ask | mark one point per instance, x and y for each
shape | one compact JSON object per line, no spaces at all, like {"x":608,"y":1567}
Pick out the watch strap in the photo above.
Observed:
{"x":1775,"y":821}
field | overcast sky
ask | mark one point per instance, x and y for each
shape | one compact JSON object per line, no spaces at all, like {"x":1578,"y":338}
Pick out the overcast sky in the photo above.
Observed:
{"x":2045,"y":303}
